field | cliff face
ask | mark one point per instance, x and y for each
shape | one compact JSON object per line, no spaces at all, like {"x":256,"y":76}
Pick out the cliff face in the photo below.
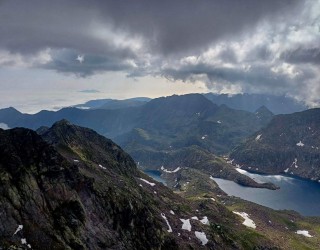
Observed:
{"x":59,"y":206}
{"x":289,"y":144}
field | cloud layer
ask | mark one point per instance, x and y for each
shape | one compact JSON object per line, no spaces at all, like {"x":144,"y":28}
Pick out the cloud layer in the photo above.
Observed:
{"x":233,"y":46}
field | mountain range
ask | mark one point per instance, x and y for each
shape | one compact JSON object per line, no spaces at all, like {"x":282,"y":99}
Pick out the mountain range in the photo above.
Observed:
{"x":248,"y":102}
{"x":163,"y":130}
{"x":251,"y":102}
{"x":288,"y":145}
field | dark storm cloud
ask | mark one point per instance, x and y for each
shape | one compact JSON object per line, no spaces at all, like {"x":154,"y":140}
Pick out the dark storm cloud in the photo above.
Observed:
{"x":167,"y":26}
{"x":302,"y":55}
{"x":257,"y":45}
{"x":258,"y":79}
{"x":65,"y":61}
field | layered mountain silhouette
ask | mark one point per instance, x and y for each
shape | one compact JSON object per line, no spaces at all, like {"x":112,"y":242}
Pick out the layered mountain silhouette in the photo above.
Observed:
{"x":164,"y":129}
{"x":251,"y":102}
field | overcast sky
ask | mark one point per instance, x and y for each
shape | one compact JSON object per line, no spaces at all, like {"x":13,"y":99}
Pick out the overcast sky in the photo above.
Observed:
{"x":57,"y":53}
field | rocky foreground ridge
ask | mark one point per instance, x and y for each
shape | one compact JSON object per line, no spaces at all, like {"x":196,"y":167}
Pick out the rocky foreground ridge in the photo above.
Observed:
{"x":74,"y":189}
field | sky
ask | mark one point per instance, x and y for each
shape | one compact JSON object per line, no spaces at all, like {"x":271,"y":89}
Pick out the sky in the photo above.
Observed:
{"x":65,"y":52}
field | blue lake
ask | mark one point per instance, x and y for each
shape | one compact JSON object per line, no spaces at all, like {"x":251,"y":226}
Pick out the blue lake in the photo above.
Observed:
{"x":155,"y":174}
{"x":294,"y":194}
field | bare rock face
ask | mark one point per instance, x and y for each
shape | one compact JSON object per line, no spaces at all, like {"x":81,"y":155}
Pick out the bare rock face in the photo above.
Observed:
{"x":57,"y":205}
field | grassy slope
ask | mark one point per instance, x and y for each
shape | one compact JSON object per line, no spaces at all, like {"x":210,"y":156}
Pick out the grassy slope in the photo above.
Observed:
{"x":196,"y":186}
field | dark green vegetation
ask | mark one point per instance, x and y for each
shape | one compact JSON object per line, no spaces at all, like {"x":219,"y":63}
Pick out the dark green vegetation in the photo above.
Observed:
{"x":290,"y":144}
{"x":84,"y":192}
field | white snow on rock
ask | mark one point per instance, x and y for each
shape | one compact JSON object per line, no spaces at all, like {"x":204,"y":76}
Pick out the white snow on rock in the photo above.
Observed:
{"x":165,"y":218}
{"x":170,"y":171}
{"x":150,"y":183}
{"x":219,"y":122}
{"x":186,"y":224}
{"x":241,"y":171}
{"x":76,"y":160}
{"x":24,"y":241}
{"x":29,"y":246}
{"x":294,"y":163}
{"x":194,"y":218}
{"x":102,"y":166}
{"x":171,"y":212}
{"x":247,"y":221}
{"x":213,"y":199}
{"x":230,"y":162}
{"x":205,"y":221}
{"x":300,"y":144}
{"x":287,"y":170}
{"x":202,"y":237}
{"x":20,"y":227}
{"x":304,"y":233}
{"x":258,"y":137}
{"x":4,"y":126}
{"x":203,"y":137}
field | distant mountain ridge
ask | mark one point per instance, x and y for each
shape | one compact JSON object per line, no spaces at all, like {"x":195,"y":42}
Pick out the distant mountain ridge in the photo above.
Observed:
{"x":113,"y":103}
{"x":188,"y":115}
{"x":251,"y":102}
{"x":290,"y":144}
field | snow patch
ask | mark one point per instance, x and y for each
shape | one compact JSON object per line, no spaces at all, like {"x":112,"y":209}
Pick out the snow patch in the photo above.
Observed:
{"x":102,"y":166}
{"x":304,"y":233}
{"x":294,"y":163}
{"x":165,"y":218}
{"x":204,"y":137}
{"x":286,"y":170}
{"x":76,"y":160}
{"x":300,"y":144}
{"x":241,"y":171}
{"x":20,"y":227}
{"x":230,"y":162}
{"x":194,"y":218}
{"x":186,"y":224}
{"x":219,"y":122}
{"x":247,"y":221}
{"x":150,"y":183}
{"x":170,"y":171}
{"x":258,"y":137}
{"x":24,"y":241}
{"x":171,"y":212}
{"x":205,"y":221}
{"x":213,"y":199}
{"x":202,"y":237}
